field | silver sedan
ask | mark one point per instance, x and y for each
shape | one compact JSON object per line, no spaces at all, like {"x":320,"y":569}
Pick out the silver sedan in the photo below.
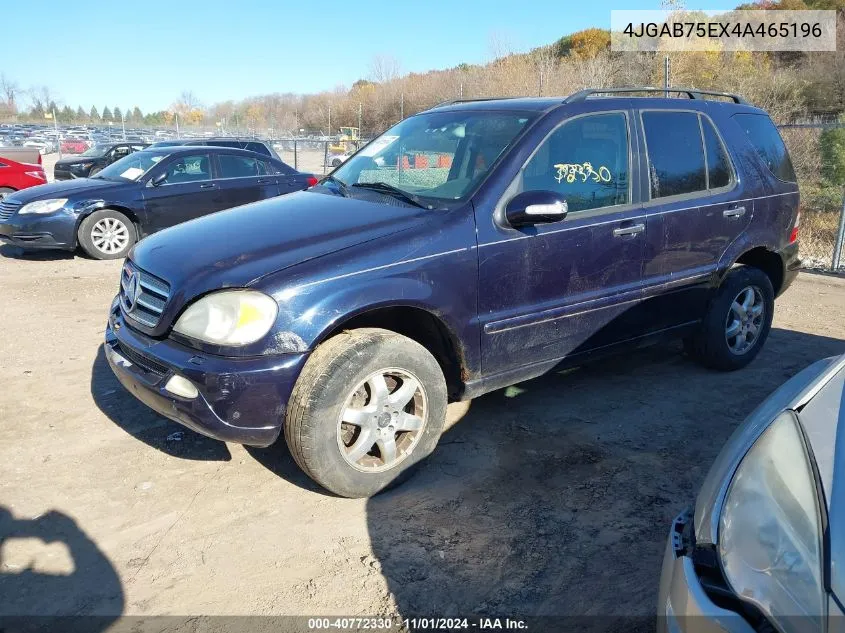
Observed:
{"x":764,"y":548}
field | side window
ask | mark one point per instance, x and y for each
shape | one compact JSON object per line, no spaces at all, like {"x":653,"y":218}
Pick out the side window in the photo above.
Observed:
{"x":188,"y":169}
{"x":259,"y":148}
{"x":232,"y":166}
{"x":766,"y":140}
{"x":718,"y":163}
{"x":266,"y":168}
{"x":675,"y":153}
{"x":120,"y":151}
{"x":585,"y":160}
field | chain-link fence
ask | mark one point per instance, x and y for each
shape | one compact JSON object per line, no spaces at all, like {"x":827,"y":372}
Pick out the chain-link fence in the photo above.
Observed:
{"x":317,"y":156}
{"x":822,"y":192}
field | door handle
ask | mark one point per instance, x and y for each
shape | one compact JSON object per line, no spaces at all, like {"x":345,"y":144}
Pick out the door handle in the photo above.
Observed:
{"x":207,"y":186}
{"x":262,"y":181}
{"x":736,"y":212}
{"x":634,"y":229}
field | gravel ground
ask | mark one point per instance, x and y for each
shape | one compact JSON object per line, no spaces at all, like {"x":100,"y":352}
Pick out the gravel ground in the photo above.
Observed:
{"x":550,"y":497}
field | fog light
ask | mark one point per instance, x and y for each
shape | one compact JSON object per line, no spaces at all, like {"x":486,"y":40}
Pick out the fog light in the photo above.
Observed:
{"x":181,"y":387}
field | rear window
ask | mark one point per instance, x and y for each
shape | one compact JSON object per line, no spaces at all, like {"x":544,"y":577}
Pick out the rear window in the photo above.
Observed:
{"x":766,"y":140}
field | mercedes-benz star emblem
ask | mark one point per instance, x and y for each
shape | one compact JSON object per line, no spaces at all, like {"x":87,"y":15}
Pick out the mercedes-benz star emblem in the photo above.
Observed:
{"x":133,"y":289}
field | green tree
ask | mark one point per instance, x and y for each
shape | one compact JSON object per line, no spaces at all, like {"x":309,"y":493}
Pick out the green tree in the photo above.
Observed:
{"x":37,"y":111}
{"x":118,"y":115}
{"x":832,"y":146}
{"x":80,"y":114}
{"x":52,"y":107}
{"x":107,"y":115}
{"x":67,"y":114}
{"x":95,"y":116}
{"x":137,"y":117}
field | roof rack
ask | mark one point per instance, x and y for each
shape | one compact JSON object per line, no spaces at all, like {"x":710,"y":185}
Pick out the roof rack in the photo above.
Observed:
{"x":692,"y":93}
{"x":454,"y":101}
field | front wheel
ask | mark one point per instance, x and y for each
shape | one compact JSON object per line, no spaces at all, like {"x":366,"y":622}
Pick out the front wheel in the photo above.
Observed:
{"x":737,"y":322}
{"x":107,"y":234}
{"x":368,"y":406}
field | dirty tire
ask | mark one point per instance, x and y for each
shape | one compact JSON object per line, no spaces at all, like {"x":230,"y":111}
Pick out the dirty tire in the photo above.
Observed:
{"x":329,"y":378}
{"x":709,"y":345}
{"x":86,"y":240}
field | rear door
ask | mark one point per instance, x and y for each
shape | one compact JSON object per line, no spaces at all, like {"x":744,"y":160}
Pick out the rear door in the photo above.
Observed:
{"x":288,"y":178}
{"x":187,"y":192}
{"x":243,"y":179}
{"x":694,"y":211}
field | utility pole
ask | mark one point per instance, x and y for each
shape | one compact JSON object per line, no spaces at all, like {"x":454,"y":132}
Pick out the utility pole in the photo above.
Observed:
{"x":360,"y":111}
{"x":56,"y":128}
{"x":666,"y":82}
{"x":123,"y":123}
{"x":401,"y":107}
{"x":330,"y":119}
{"x":176,"y":114}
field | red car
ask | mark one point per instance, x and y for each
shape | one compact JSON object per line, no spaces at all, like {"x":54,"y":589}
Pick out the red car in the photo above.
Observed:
{"x":74,"y":146}
{"x":15,"y":176}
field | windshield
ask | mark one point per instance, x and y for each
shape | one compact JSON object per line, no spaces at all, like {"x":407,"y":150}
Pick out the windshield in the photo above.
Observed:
{"x":132,"y":167}
{"x":437,"y":155}
{"x":95,"y":151}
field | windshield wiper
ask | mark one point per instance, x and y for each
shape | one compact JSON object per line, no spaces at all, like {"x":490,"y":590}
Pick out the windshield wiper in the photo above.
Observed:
{"x":342,"y":186}
{"x":384,"y":187}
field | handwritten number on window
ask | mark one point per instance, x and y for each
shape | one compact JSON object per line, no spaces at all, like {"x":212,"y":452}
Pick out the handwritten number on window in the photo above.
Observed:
{"x":585,"y":171}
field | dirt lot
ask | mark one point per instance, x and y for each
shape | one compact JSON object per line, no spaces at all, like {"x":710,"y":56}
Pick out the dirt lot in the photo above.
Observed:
{"x":553,"y":497}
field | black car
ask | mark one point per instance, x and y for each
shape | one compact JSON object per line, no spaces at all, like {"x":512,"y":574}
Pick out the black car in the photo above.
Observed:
{"x":141,"y":194}
{"x":93,"y":160}
{"x":251,"y":144}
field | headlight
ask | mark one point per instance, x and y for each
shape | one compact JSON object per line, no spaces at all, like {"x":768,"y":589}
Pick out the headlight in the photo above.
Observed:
{"x":42,"y":206}
{"x":81,"y":165}
{"x":229,"y":317}
{"x":769,"y":530}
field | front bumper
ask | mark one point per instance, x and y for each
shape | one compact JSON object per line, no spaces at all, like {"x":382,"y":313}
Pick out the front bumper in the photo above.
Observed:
{"x":240,"y":400}
{"x":682,"y":604}
{"x":53,"y":230}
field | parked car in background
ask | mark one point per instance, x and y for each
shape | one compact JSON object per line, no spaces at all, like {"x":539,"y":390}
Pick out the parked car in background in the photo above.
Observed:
{"x":29,"y":155}
{"x":251,"y":144}
{"x":140,"y":194}
{"x":93,"y":160}
{"x":15,"y":176}
{"x":763,"y":549}
{"x":43,"y":145}
{"x":470,"y":247}
{"x":73,"y":146}
{"x":336,"y":160}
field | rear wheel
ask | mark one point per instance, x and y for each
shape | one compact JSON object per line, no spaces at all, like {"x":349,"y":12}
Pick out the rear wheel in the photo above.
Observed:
{"x":368,"y":406}
{"x":107,"y":234}
{"x":737,"y":322}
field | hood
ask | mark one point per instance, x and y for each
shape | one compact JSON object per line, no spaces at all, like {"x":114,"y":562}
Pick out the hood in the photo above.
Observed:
{"x":78,"y":158}
{"x":65,"y":189}
{"x":235,"y":248}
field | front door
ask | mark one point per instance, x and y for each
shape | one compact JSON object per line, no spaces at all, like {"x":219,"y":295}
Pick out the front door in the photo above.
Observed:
{"x":187,"y":192}
{"x":548,"y":290}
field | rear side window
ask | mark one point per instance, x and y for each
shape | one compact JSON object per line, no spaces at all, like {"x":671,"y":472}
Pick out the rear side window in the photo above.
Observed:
{"x":718,"y":165}
{"x":675,"y":153}
{"x":258,"y":147}
{"x":232,"y":166}
{"x":766,"y":140}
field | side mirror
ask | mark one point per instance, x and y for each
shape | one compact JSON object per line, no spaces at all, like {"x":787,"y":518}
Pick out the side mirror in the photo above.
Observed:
{"x":535,"y":207}
{"x":155,"y":181}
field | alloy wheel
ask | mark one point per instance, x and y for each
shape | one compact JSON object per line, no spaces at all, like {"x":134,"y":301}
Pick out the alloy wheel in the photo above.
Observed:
{"x":382,"y":420}
{"x":110,"y":235}
{"x":745,"y":320}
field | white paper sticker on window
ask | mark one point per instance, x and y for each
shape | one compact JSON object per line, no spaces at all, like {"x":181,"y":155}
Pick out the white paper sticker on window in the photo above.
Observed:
{"x":132,"y":173}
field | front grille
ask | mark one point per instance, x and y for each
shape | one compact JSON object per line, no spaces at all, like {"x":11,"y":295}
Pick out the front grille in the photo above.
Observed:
{"x":7,"y":209}
{"x":148,"y":364}
{"x":148,"y":300}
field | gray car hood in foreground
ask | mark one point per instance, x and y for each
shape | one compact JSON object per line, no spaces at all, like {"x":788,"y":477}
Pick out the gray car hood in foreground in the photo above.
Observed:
{"x":818,"y":395}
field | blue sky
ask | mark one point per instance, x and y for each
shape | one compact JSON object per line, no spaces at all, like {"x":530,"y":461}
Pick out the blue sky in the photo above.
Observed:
{"x":126,"y":53}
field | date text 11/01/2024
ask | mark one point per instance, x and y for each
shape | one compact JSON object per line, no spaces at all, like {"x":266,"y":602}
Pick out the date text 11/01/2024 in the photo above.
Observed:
{"x":414,"y":624}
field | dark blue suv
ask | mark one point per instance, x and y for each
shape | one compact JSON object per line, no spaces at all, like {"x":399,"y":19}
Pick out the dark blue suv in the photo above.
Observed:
{"x":469,"y":247}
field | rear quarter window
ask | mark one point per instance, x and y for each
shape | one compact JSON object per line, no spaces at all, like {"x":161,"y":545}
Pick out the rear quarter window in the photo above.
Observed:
{"x":259,"y":148}
{"x":766,"y":139}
